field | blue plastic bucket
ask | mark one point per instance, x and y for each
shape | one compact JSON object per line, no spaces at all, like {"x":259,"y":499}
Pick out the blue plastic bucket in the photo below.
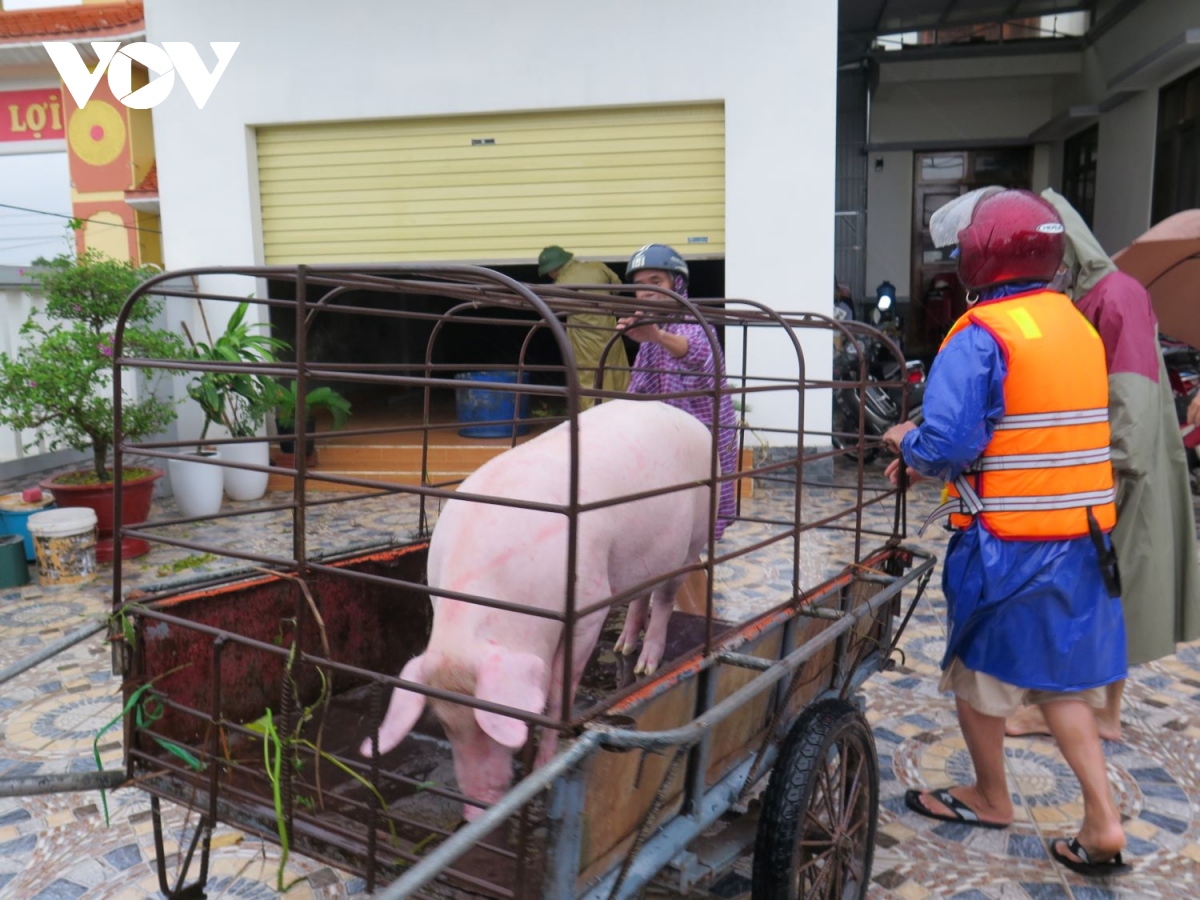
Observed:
{"x":14,"y":517}
{"x":483,"y":405}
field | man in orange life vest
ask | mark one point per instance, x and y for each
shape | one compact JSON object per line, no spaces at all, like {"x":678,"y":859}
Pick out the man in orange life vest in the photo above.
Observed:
{"x":1016,"y":424}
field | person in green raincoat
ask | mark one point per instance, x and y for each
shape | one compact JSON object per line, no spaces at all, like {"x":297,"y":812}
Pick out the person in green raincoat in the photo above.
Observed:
{"x":589,"y":332}
{"x":1155,"y":535}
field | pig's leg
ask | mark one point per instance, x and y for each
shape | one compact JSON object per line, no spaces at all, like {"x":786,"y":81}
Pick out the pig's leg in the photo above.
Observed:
{"x":549,"y":740}
{"x":635,"y":621}
{"x":586,"y":635}
{"x":663,"y":603}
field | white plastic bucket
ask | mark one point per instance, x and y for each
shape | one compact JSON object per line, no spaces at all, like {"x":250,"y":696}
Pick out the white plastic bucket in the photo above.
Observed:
{"x":246,"y":484}
{"x":64,"y":541}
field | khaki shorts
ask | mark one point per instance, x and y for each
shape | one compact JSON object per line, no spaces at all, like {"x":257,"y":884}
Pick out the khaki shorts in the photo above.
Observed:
{"x":994,"y":697}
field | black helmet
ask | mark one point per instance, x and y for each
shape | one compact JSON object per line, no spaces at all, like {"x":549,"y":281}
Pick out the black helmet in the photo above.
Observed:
{"x":657,"y":256}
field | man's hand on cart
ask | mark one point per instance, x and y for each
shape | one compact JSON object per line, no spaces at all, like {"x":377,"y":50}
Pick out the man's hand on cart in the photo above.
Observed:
{"x":891,"y":439}
{"x":893,"y":472}
{"x":894,"y":435}
{"x":1193,"y":411}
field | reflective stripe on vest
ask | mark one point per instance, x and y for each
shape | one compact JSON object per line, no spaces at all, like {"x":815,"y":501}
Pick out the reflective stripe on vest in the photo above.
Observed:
{"x":1035,"y":420}
{"x":962,"y":505}
{"x":1044,"y":460}
{"x":1048,"y":461}
{"x":1058,"y":501}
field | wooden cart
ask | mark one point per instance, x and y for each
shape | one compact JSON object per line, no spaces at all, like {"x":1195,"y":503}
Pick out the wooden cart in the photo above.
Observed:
{"x":250,"y":691}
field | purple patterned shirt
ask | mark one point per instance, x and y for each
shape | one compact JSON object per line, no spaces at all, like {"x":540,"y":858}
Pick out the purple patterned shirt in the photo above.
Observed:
{"x":656,"y":371}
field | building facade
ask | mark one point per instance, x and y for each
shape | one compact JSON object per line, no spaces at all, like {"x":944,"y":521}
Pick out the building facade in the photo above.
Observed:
{"x":474,"y":131}
{"x":1109,"y":118}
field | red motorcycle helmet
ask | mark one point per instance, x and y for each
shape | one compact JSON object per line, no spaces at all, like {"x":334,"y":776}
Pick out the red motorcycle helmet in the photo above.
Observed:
{"x":1013,"y":236}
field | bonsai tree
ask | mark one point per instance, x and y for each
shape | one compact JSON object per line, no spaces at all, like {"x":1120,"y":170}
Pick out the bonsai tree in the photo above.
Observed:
{"x":59,"y":384}
{"x":238,"y":401}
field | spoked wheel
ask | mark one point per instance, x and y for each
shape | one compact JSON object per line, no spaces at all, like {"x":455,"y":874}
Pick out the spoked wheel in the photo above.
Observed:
{"x":816,"y":833}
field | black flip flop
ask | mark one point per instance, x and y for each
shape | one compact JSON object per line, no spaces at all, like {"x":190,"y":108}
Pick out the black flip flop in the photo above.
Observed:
{"x":1114,"y":865}
{"x":961,"y":813}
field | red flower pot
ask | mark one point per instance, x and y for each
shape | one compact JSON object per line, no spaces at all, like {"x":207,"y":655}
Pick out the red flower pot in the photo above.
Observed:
{"x":136,"y":496}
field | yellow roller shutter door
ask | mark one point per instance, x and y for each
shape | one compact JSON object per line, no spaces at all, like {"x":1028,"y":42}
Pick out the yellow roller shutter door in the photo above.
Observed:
{"x":494,"y":188}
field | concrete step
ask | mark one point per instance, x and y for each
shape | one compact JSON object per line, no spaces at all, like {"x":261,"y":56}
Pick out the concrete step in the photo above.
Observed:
{"x":402,"y":465}
{"x":381,"y":456}
{"x":389,"y":476}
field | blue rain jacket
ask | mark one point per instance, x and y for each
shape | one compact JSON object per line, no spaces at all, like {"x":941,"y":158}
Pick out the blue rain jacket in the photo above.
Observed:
{"x":1031,"y":613}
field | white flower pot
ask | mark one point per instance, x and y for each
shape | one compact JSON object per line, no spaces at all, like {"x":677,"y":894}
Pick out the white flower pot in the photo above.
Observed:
{"x":246,"y":484}
{"x":198,"y":486}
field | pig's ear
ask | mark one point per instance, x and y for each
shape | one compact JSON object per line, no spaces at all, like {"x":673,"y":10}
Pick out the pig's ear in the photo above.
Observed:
{"x":512,"y":679}
{"x":403,"y":711}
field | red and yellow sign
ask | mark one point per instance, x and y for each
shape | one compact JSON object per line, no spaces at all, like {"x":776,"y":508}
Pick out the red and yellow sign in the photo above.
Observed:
{"x":32,"y":115}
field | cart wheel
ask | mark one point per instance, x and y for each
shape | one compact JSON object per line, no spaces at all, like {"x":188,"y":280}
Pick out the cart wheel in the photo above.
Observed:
{"x":816,"y":832}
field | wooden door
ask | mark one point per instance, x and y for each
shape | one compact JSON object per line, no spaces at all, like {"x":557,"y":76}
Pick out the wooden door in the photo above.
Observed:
{"x":937,"y":299}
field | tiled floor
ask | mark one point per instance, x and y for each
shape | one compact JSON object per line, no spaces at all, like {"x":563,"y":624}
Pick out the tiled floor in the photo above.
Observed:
{"x":58,"y":846}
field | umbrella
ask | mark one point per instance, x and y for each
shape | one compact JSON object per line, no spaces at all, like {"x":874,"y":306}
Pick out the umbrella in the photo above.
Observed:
{"x":1166,"y":260}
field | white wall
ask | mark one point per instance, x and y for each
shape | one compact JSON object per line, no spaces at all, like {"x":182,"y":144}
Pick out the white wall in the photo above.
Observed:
{"x":958,"y":113}
{"x":773,"y":65}
{"x":1039,"y":175}
{"x":15,"y":305}
{"x":1150,"y":25}
{"x":889,"y":220}
{"x":1125,"y":171}
{"x":962,"y":101}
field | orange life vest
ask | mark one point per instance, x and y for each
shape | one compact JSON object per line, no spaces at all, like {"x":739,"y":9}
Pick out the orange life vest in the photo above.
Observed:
{"x":1047,"y":465}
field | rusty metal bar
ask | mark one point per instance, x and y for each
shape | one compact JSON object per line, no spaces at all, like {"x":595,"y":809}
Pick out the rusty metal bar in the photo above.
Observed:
{"x":375,"y":712}
{"x":62,"y":783}
{"x":160,"y":765}
{"x":689,"y":734}
{"x":439,"y":592}
{"x":365,"y":674}
{"x":63,"y":643}
{"x":251,"y":827}
{"x":431,"y":866}
{"x":159,"y":853}
{"x":214,"y":752}
{"x":624,"y":701}
{"x":299,"y":513}
{"x":743,"y":661}
{"x":322,"y":289}
{"x":637,"y":694}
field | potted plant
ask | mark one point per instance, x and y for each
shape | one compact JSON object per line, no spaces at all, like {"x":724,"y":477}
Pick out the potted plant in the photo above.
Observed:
{"x":286,"y":403}
{"x":238,"y":401}
{"x":59,"y":383}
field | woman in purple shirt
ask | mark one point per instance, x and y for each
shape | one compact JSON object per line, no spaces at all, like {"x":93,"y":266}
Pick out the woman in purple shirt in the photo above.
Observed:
{"x":677,"y":357}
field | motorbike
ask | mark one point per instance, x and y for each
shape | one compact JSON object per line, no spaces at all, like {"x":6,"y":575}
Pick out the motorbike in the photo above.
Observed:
{"x":1183,"y":370}
{"x":887,"y":380}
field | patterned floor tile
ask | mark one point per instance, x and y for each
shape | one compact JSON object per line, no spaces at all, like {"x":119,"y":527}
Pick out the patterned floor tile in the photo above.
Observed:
{"x":54,"y":846}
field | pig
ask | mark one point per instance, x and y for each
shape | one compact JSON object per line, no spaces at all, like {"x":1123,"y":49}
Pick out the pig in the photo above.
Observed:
{"x":519,"y":556}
